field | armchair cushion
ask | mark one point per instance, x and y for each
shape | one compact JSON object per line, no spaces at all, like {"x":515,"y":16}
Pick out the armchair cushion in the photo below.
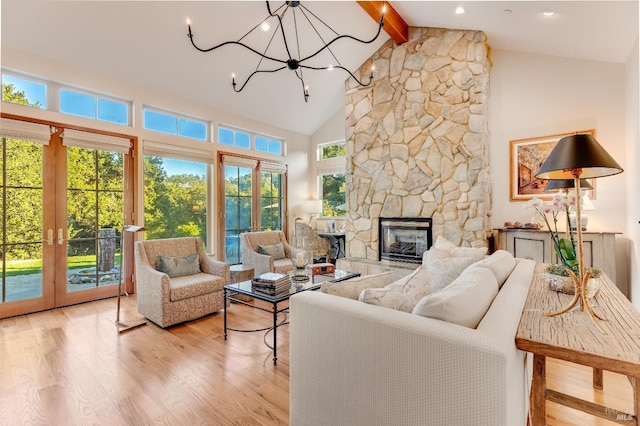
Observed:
{"x":274,"y":250}
{"x":179,"y":266}
{"x":194,"y":285}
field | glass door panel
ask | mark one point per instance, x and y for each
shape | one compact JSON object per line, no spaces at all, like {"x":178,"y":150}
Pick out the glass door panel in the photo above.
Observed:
{"x":238,"y":184}
{"x":22,"y":211}
{"x":271,"y":201}
{"x":95,"y":207}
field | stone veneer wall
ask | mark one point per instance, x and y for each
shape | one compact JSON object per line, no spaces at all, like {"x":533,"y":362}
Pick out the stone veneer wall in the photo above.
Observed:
{"x":417,"y":140}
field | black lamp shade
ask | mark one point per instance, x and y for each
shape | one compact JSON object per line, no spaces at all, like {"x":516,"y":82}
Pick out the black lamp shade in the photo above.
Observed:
{"x":574,"y":152}
{"x":556,"y":184}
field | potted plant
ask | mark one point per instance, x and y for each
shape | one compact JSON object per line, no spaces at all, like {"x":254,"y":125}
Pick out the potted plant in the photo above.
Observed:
{"x":558,"y":276}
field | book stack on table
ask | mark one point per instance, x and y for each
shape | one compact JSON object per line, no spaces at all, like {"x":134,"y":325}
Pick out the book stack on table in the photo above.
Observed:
{"x":271,"y":283}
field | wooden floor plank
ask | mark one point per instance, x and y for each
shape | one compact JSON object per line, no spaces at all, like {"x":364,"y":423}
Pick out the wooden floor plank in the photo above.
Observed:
{"x":70,"y":366}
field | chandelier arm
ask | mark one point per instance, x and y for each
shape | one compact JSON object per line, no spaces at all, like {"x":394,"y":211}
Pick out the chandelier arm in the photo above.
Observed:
{"x":345,"y":36}
{"x":344,"y":69}
{"x":234,"y":42}
{"x":303,"y":8}
{"x":251,"y":75}
{"x":318,"y":32}
{"x":284,"y":37}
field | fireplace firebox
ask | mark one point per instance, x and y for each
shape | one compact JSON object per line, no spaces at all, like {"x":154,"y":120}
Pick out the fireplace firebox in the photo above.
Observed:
{"x":404,"y":239}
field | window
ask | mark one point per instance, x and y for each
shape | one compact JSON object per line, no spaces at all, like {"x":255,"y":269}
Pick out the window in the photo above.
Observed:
{"x":331,"y":165}
{"x":93,"y":106}
{"x":25,"y":92}
{"x":333,"y":195}
{"x":242,"y":139}
{"x":175,"y":198}
{"x":234,"y":138}
{"x":173,"y":124}
{"x":272,"y":146}
{"x":332,"y":150}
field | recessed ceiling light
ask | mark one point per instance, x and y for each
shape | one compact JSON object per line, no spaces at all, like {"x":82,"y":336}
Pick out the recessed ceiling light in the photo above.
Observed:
{"x":265,"y":26}
{"x":459,"y":10}
{"x":507,"y":11}
{"x":548,"y":12}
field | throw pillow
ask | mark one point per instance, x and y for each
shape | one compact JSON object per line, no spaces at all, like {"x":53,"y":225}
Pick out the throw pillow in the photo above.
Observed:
{"x":179,"y":266}
{"x":352,"y":288}
{"x":501,"y":263}
{"x":274,"y":250}
{"x":464,"y":302}
{"x":387,"y":298}
{"x":444,"y":267}
{"x":445,"y":245}
{"x":414,"y":286}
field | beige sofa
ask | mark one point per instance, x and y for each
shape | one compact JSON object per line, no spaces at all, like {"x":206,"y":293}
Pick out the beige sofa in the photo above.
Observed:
{"x":354,"y":363}
{"x":167,"y":301}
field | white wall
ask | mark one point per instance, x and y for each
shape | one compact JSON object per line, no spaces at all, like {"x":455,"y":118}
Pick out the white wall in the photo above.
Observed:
{"x":297,"y":144}
{"x":537,"y":95}
{"x":633,"y":170}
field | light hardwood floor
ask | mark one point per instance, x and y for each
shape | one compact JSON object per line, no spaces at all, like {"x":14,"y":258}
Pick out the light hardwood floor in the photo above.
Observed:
{"x":70,"y":367}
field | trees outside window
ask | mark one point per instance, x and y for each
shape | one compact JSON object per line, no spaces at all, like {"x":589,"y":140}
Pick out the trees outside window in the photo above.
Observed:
{"x":175,"y":198}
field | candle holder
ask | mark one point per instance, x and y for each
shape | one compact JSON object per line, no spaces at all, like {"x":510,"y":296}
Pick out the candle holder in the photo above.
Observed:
{"x":300,"y":258}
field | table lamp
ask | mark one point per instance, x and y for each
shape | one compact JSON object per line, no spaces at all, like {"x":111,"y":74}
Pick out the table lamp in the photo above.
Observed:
{"x":575,"y":157}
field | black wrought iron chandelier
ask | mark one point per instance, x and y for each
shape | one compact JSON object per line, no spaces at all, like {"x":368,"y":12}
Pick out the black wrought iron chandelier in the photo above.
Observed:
{"x":295,"y":64}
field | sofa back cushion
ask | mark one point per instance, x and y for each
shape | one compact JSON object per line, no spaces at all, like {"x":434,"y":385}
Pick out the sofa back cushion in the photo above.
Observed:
{"x":445,"y":266}
{"x":352,"y":287}
{"x":501,"y":263}
{"x":465,"y":301}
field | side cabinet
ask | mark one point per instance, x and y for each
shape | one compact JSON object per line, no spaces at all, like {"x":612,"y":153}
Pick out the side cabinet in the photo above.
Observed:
{"x":599,"y":248}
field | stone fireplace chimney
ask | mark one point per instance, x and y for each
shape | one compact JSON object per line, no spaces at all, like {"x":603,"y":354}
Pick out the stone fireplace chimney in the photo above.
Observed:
{"x":417,"y":142}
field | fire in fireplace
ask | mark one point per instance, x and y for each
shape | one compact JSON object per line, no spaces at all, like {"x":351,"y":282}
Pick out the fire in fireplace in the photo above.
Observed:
{"x":404,"y":238}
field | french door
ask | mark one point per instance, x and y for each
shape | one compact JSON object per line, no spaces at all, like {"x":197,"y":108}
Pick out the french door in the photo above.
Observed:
{"x":63,"y":207}
{"x":254,"y":200}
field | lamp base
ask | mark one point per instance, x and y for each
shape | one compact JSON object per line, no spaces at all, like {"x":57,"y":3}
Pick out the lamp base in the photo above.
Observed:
{"x":122,"y":327}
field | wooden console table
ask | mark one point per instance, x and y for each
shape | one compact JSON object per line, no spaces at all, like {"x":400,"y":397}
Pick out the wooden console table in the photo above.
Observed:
{"x":573,"y":337}
{"x":536,"y":244}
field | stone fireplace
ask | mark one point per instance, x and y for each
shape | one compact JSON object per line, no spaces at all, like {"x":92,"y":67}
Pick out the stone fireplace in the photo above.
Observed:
{"x":404,"y":239}
{"x":417,"y":142}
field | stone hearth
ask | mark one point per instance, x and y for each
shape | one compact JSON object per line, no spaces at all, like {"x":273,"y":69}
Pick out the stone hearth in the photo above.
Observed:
{"x":417,"y":142}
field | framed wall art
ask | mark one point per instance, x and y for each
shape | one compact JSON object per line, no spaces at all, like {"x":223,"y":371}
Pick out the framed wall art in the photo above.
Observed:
{"x":525,"y":158}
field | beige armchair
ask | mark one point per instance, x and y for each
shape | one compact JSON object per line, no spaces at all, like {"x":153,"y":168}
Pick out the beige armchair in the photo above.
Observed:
{"x":261,"y":263}
{"x":317,"y":245}
{"x":167,"y":301}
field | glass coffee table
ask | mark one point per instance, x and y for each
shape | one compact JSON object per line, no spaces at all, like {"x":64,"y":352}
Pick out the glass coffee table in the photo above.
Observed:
{"x":235,"y":293}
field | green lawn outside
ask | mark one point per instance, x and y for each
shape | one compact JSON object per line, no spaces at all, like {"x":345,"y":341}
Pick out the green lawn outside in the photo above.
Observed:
{"x":34,"y":266}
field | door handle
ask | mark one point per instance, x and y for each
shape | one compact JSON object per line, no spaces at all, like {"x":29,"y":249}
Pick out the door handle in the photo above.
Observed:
{"x":60,"y":237}
{"x":49,"y":239}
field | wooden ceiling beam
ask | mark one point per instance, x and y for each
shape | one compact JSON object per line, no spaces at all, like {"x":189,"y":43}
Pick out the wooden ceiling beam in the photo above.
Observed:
{"x":394,"y":25}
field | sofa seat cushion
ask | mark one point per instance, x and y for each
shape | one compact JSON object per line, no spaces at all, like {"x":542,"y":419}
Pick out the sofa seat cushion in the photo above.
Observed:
{"x":352,"y":287}
{"x":187,"y":286}
{"x":465,"y":301}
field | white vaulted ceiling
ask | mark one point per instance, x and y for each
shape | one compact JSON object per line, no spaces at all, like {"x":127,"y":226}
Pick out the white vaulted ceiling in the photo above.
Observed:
{"x":145,"y":43}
